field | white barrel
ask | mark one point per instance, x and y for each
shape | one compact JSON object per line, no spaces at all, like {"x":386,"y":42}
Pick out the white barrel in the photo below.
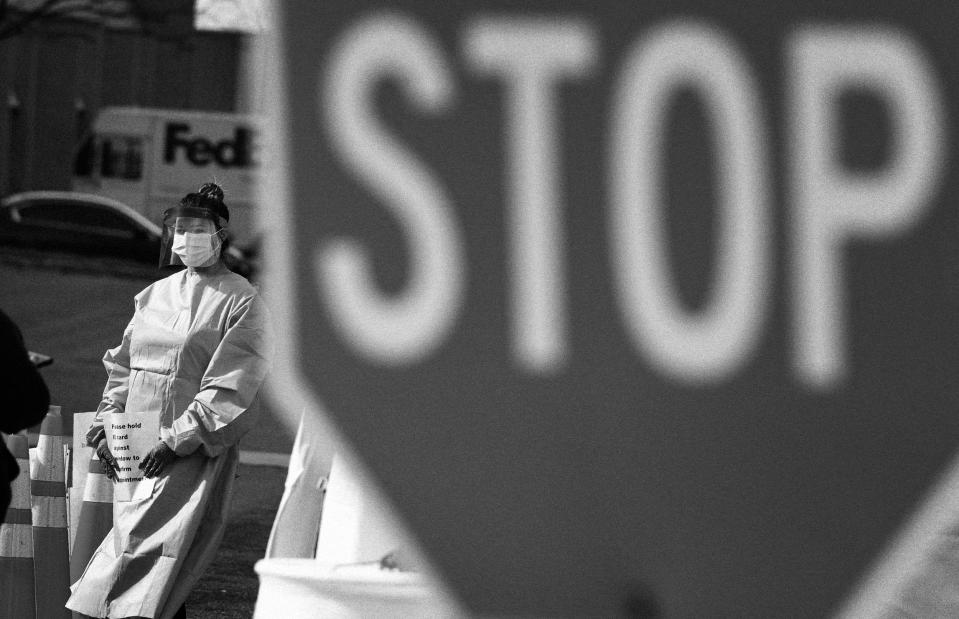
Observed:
{"x":357,"y":524}
{"x":307,"y":588}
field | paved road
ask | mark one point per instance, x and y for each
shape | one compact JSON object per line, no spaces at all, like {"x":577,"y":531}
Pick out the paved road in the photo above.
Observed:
{"x":229,"y":587}
{"x":72,"y":310}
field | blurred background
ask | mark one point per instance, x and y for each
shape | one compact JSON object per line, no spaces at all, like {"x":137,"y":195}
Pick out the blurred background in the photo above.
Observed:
{"x":89,"y":90}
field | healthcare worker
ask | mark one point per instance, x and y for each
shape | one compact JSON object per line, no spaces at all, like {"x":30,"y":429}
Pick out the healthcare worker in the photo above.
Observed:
{"x":197,"y":351}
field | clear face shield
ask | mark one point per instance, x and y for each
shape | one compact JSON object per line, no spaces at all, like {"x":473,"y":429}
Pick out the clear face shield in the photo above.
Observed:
{"x":191,"y":237}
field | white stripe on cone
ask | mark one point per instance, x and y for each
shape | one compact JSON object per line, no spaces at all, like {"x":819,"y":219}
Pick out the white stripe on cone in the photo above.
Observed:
{"x":16,"y":541}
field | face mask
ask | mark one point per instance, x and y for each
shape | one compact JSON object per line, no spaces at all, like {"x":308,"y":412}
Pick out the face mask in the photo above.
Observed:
{"x":196,"y":249}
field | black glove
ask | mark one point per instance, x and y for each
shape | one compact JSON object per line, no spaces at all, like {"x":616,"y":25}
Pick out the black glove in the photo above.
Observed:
{"x":95,"y":435}
{"x":157,"y":460}
{"x":110,"y":466}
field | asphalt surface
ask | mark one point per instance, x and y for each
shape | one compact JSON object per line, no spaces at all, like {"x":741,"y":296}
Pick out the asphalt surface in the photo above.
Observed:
{"x":229,"y":587}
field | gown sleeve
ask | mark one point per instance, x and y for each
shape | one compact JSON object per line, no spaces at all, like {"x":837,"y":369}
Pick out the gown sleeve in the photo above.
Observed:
{"x":116,"y":361}
{"x":225,"y":407}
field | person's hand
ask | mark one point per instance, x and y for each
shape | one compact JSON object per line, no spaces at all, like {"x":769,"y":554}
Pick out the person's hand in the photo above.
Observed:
{"x":95,"y":435}
{"x":110,"y":466}
{"x":157,"y":460}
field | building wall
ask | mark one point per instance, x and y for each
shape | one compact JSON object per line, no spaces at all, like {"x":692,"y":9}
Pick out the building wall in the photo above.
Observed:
{"x":57,"y":74}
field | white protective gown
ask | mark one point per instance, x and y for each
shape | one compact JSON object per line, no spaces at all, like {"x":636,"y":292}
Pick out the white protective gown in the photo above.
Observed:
{"x":197,"y":350}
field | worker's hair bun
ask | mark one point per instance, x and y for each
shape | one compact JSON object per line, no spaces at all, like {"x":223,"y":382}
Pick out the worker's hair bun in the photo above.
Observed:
{"x":210,"y":197}
{"x":212,"y":191}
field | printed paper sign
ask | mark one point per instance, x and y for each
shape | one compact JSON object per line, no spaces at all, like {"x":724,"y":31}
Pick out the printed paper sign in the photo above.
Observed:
{"x":130,"y":437}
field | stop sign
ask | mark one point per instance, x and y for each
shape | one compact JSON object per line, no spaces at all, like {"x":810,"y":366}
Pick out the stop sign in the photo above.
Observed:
{"x":630,"y":308}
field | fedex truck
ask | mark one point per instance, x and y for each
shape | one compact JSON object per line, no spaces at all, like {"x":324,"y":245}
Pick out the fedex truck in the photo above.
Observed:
{"x":150,"y":158}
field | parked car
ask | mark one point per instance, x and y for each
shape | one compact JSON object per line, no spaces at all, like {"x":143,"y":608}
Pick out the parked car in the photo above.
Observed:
{"x":82,"y":223}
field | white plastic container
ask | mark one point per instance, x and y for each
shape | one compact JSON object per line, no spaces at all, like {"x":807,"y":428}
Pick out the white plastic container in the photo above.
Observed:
{"x":307,"y":588}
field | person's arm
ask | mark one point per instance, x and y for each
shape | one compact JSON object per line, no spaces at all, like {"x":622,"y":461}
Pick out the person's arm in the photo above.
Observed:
{"x":116,"y":361}
{"x":26,"y":397}
{"x":222,"y":411}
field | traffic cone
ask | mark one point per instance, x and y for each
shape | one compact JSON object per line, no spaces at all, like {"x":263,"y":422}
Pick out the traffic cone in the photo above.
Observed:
{"x":17,"y":599}
{"x":50,"y":534}
{"x":80,"y":455}
{"x":96,"y":517}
